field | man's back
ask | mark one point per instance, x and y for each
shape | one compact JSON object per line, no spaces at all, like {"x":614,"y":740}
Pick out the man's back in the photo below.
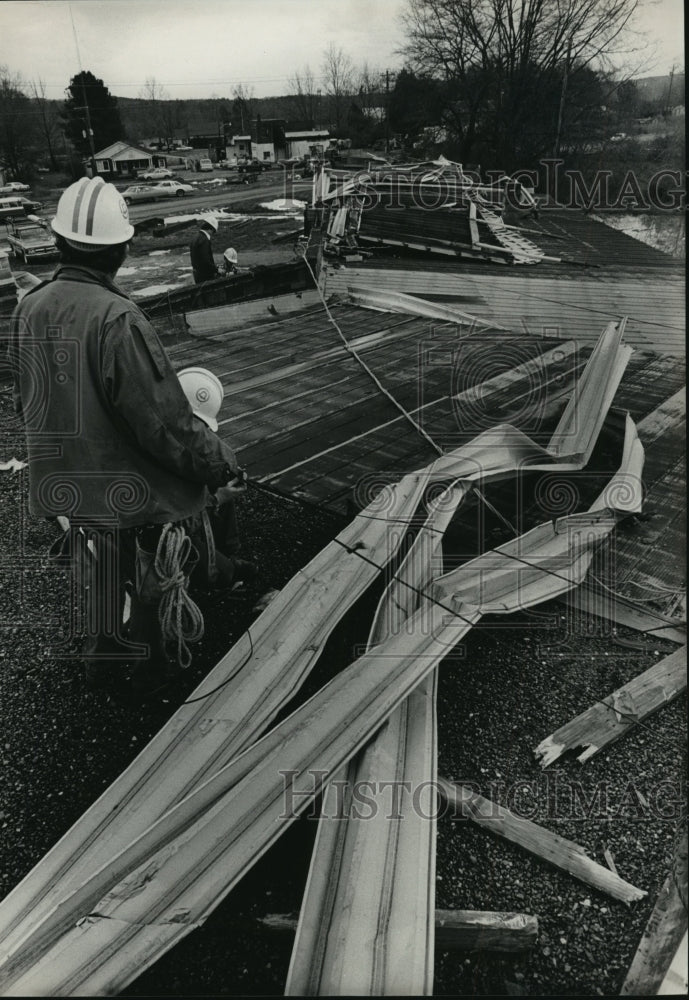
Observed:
{"x":202,"y":258}
{"x":109,"y":430}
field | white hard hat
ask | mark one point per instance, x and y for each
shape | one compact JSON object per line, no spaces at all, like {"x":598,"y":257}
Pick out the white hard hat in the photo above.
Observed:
{"x":230,"y":255}
{"x":205,"y":393}
{"x":92,"y":214}
{"x":210,"y":220}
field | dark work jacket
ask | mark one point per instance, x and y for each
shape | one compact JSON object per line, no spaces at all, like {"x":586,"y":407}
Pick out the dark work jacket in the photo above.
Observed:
{"x":202,"y":258}
{"x":111,"y":436}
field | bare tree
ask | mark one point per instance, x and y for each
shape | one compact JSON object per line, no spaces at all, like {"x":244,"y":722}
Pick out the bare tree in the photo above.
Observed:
{"x":18,"y":134}
{"x":47,"y":119}
{"x":156,"y":96}
{"x":338,"y":82}
{"x":370,"y":88}
{"x":500,"y":58}
{"x":242,"y":106}
{"x":304,"y":94}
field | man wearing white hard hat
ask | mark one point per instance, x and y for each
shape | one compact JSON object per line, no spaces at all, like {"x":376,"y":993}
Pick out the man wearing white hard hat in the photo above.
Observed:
{"x":201,"y":250}
{"x":113,"y":444}
{"x":214,"y":531}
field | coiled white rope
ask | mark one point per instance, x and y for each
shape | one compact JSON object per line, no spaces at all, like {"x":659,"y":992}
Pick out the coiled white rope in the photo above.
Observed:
{"x":181,"y":620}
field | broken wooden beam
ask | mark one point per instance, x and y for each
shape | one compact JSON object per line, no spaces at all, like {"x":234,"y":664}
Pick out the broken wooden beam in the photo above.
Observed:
{"x":455,"y":930}
{"x":618,"y":713}
{"x":557,"y":850}
{"x":664,"y":932}
{"x":484,"y":930}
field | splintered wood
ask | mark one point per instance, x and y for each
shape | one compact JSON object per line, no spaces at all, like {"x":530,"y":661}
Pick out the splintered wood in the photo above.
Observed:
{"x":551,"y":847}
{"x":612,"y":717}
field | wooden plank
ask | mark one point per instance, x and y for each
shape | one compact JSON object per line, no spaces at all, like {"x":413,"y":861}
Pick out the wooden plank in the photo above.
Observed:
{"x":618,"y":713}
{"x":484,"y":930}
{"x":676,"y":981}
{"x":556,"y":850}
{"x":365,"y":924}
{"x":455,"y":930}
{"x":664,"y":932}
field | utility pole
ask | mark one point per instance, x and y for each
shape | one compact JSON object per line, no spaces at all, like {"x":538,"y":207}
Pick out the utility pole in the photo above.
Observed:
{"x":387,"y":111}
{"x":669,"y":90}
{"x":89,"y":130}
{"x":88,"y":134}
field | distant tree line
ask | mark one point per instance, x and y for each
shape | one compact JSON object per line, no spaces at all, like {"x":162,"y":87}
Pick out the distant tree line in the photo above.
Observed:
{"x":496,"y":82}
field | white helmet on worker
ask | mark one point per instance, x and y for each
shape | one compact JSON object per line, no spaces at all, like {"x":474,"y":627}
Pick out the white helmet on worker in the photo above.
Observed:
{"x":205,"y":393}
{"x":210,"y":220}
{"x":92,"y":215}
{"x":230,"y":255}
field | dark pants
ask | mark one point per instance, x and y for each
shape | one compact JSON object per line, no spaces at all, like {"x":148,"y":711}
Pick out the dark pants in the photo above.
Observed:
{"x":215,"y":535}
{"x":103,"y":564}
{"x":108,"y":564}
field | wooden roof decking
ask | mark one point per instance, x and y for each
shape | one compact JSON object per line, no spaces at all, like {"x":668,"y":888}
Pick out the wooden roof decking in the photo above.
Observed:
{"x":306,"y":419}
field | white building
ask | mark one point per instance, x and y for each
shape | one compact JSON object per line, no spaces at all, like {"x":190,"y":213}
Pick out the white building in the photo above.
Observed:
{"x":299,"y":143}
{"x":239,"y":147}
{"x":121,"y":159}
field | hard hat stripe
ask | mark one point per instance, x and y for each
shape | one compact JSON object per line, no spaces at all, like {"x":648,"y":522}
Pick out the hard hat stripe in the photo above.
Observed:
{"x":77,"y":205}
{"x":91,"y":207}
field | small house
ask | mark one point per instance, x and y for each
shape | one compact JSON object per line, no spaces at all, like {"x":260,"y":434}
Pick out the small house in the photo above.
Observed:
{"x":240,"y":147}
{"x":121,"y":159}
{"x":300,"y":142}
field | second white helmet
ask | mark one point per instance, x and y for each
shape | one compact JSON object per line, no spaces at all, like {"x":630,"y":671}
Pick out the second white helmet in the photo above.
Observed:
{"x":92,"y":214}
{"x":205,"y":393}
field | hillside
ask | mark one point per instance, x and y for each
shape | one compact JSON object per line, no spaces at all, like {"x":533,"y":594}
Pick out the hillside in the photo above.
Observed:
{"x":655,"y":88}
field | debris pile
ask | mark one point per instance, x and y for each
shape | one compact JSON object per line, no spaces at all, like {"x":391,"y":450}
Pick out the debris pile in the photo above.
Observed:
{"x":434,"y":207}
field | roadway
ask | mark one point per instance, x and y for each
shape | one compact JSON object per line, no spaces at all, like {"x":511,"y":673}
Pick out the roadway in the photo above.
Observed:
{"x":239,"y":197}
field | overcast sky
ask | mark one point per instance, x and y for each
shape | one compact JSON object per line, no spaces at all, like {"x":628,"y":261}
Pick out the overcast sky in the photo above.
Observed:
{"x":202,"y":48}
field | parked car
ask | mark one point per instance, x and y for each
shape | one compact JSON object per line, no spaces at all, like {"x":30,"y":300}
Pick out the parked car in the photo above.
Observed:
{"x":8,"y":286}
{"x":205,"y":164}
{"x":30,"y":240}
{"x":173,"y":189}
{"x":156,"y":174}
{"x":141,"y":192}
{"x":152,"y":192}
{"x":13,"y":186}
{"x":17,"y":206}
{"x":618,"y":137}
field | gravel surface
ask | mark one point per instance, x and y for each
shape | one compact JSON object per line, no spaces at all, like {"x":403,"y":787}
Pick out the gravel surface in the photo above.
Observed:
{"x":510,"y":684}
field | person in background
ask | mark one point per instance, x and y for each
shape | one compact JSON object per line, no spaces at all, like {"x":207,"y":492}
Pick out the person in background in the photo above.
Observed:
{"x":113,"y":445}
{"x":231,"y":263}
{"x":201,"y":251}
{"x":214,"y":531}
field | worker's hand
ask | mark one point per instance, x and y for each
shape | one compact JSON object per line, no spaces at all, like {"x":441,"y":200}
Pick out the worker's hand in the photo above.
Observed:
{"x":225,"y":493}
{"x":233,"y":489}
